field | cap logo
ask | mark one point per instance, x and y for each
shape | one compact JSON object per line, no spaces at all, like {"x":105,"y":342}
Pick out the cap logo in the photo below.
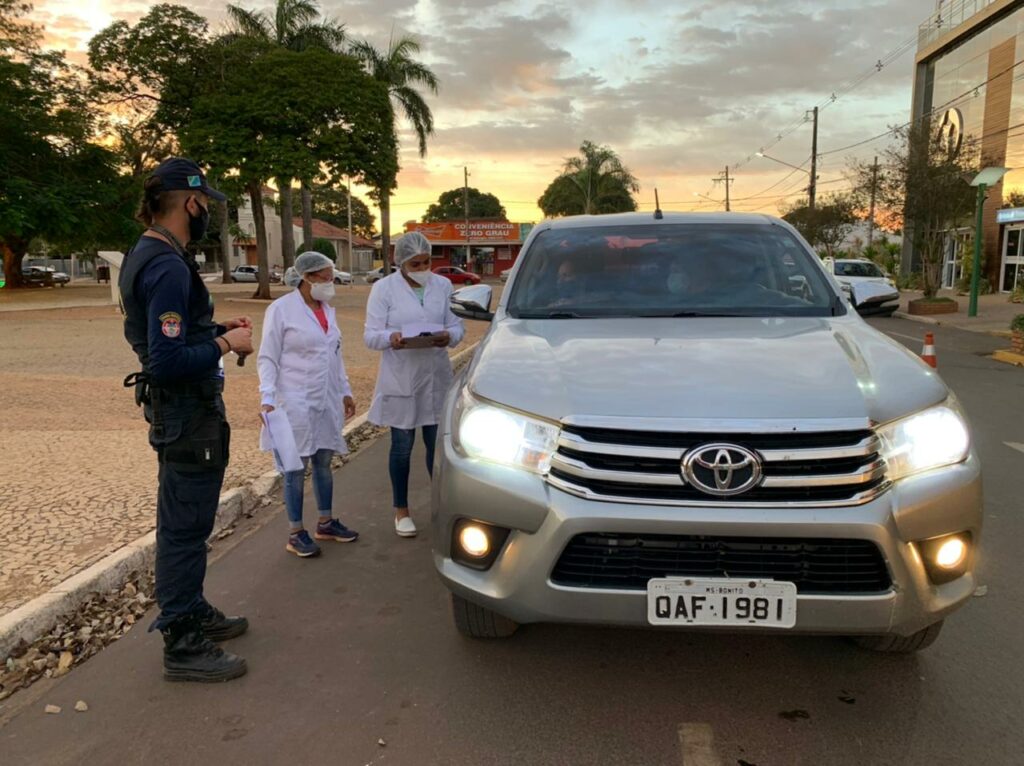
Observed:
{"x":195,"y":181}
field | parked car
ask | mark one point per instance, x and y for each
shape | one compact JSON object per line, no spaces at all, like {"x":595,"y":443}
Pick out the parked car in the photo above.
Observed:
{"x":342,"y":277}
{"x":375,"y":276}
{"x":504,"y":275}
{"x":39,"y":274}
{"x":245,"y":274}
{"x":851,"y":271}
{"x":457,"y":276}
{"x":670,"y":429}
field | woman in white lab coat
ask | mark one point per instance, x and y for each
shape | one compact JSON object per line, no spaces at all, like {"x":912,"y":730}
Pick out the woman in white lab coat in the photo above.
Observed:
{"x":302,"y":373}
{"x":411,"y":382}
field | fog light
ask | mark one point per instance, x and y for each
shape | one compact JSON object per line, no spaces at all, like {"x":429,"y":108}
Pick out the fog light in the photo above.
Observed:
{"x":476,"y":544}
{"x":946,"y":558}
{"x":474,"y":541}
{"x":951,"y":553}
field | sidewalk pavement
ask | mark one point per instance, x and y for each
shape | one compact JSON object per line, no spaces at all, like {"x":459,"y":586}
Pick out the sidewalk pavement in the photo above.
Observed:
{"x":314,"y":681}
{"x":994,"y":312}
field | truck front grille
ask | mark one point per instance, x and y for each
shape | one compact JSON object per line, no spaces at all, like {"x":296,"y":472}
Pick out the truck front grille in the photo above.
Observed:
{"x":821,"y":468}
{"x":816,"y":566}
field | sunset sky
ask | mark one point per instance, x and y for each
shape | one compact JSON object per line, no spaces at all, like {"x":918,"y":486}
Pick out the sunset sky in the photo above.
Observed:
{"x":678,"y":89}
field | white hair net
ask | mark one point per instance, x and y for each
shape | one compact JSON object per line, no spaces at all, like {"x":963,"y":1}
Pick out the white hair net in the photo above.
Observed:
{"x":312,"y":261}
{"x":291,"y":277}
{"x":409,"y":246}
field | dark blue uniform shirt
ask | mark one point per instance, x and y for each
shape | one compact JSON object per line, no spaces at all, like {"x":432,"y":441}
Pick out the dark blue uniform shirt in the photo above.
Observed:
{"x":174,"y":295}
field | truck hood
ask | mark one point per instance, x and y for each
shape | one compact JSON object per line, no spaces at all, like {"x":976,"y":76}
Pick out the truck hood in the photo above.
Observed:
{"x":784,"y":369}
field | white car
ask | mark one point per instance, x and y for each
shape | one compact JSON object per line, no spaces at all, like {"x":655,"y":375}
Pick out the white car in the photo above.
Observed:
{"x":375,"y":276}
{"x":505,"y":275}
{"x":342,"y":277}
{"x":245,"y":274}
{"x":851,"y":271}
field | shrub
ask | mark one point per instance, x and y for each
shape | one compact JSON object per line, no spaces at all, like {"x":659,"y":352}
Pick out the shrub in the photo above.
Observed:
{"x":320,"y":245}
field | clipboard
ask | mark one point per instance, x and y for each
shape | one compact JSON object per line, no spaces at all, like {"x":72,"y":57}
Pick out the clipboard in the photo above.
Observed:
{"x":420,"y":335}
{"x":426,"y":340}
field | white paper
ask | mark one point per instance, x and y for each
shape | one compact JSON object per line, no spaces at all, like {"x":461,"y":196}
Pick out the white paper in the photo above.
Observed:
{"x":414,"y":330}
{"x":282,"y":441}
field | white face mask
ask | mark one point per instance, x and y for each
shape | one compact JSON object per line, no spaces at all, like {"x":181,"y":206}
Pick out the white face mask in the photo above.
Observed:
{"x":419,"y":277}
{"x":322,"y":291}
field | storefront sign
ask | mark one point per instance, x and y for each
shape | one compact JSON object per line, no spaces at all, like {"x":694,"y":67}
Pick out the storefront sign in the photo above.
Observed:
{"x":480,"y":232}
{"x":1010,"y":215}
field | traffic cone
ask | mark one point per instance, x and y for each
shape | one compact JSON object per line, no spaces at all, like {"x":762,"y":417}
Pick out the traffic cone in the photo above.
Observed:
{"x":928,"y":352}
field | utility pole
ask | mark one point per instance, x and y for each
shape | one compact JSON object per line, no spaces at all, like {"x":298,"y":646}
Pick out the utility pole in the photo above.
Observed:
{"x":812,"y":187}
{"x":871,"y":213}
{"x":465,"y":210}
{"x":348,"y":194}
{"x":724,"y":178}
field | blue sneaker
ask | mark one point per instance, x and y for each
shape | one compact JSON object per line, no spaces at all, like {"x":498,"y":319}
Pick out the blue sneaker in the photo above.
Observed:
{"x":302,"y":545}
{"x":335,"y":530}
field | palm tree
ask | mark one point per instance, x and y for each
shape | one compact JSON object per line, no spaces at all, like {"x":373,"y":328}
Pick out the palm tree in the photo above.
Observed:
{"x":401,"y":73}
{"x":295,"y":25}
{"x":598,"y":174}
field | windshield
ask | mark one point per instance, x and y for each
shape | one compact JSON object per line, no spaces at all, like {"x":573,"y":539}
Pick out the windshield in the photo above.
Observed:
{"x":670,"y":270}
{"x":857,"y":269}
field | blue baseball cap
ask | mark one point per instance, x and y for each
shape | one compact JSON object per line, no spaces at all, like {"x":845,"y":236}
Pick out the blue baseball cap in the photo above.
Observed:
{"x":182,"y":174}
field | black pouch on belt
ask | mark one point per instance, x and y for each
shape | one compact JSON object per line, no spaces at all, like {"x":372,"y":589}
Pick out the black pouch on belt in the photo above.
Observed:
{"x":204,"y":444}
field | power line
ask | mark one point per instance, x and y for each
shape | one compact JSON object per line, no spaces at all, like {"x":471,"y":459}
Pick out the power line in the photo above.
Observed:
{"x":846,"y":87}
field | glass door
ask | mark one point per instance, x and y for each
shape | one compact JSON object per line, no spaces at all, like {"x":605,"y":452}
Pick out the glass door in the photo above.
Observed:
{"x":1012,"y":274}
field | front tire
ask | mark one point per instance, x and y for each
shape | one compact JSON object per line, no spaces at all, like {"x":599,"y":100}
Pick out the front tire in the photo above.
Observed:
{"x":894,"y":644}
{"x":475,"y":621}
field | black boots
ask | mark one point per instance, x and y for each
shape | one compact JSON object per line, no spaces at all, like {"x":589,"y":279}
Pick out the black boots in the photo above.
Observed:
{"x":190,"y":656}
{"x":218,"y":627}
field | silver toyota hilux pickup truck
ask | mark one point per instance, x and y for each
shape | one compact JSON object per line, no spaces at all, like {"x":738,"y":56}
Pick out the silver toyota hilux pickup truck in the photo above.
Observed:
{"x":680,"y":421}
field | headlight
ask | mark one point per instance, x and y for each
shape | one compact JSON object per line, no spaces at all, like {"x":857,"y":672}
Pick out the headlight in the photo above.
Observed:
{"x":930,"y":439}
{"x":487,"y":432}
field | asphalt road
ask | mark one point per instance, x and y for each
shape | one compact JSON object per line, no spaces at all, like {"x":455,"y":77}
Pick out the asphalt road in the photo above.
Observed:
{"x":357,"y":648}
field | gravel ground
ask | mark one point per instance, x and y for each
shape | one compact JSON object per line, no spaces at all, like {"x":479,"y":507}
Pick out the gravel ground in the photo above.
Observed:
{"x":77,"y":478}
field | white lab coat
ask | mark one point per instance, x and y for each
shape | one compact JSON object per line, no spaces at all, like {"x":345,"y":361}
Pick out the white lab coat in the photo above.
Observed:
{"x":411,"y":383}
{"x":303,"y":373}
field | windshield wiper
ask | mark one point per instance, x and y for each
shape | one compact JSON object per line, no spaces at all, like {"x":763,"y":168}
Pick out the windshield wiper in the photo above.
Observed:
{"x":552,"y":315}
{"x":688,"y":314}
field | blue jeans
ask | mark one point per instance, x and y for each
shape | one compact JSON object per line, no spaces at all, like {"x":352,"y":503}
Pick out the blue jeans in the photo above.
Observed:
{"x":323,"y":486}
{"x":399,"y":459}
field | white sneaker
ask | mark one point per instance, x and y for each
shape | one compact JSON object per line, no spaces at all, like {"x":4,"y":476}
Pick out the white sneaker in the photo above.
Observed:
{"x":405,"y":527}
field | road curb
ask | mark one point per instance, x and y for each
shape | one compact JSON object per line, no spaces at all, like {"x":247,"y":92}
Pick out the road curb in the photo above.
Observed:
{"x":36,"y":617}
{"x":915,"y":318}
{"x":1009,"y":357}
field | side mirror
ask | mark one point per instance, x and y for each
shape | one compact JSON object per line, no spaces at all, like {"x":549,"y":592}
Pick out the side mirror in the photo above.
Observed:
{"x":473,"y":302}
{"x":868,"y":297}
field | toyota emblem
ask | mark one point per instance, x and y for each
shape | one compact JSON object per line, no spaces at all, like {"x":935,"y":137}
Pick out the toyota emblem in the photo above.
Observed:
{"x":722,"y":469}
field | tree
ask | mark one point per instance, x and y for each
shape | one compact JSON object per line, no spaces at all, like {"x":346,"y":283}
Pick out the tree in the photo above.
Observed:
{"x":402,"y":74}
{"x":330,"y":204}
{"x":828,"y":225}
{"x":268,"y":111}
{"x":926,"y":179}
{"x":450,"y":206}
{"x":153,"y":69}
{"x":320,"y":245}
{"x":56,"y":184}
{"x":593,"y":183}
{"x":296,"y":26}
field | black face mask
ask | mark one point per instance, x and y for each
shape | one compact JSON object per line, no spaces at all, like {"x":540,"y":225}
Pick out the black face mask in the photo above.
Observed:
{"x":197,"y":224}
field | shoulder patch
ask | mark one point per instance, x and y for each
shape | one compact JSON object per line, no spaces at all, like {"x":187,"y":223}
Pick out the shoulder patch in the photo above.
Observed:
{"x":170,"y":324}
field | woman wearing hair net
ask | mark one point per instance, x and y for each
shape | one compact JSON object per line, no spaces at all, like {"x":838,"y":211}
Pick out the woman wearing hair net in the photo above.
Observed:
{"x":411,"y":382}
{"x":303,"y":373}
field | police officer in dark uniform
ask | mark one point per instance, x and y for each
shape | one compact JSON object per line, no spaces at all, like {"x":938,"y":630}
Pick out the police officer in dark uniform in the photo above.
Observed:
{"x":169,"y":324}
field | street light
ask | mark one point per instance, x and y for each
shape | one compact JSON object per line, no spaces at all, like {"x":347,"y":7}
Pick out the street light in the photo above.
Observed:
{"x":783,"y":162}
{"x":986,"y":178}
